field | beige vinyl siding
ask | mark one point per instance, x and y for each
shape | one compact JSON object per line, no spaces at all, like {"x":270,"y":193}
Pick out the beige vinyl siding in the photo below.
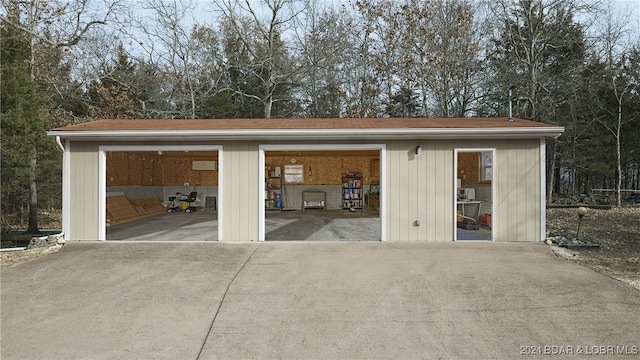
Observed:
{"x":241,"y":196}
{"x":419,"y":187}
{"x":518,"y":191}
{"x":84,"y":191}
{"x":516,"y":214}
{"x":442,"y":182}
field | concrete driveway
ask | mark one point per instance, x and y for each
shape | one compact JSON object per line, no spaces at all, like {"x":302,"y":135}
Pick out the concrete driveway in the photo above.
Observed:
{"x":312,"y":300}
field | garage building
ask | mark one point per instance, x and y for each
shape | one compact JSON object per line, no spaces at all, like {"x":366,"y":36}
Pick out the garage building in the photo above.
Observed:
{"x":425,"y":177}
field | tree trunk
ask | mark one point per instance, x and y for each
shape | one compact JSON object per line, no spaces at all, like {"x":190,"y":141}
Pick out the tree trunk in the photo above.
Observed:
{"x":33,"y":169}
{"x":268,"y":105}
{"x":618,"y":146}
{"x":33,"y":196}
{"x":551,"y":176}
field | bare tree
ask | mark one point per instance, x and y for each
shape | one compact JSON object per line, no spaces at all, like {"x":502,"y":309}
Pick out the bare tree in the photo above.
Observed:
{"x":456,"y":65}
{"x":323,"y":41}
{"x":259,"y":27}
{"x":425,"y":54}
{"x":166,"y":39}
{"x":614,"y":83}
{"x":538,"y":48}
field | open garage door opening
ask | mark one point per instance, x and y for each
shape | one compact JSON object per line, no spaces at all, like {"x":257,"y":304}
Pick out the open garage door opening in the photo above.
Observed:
{"x":322,"y":193}
{"x":474,"y":194}
{"x":161,"y":194}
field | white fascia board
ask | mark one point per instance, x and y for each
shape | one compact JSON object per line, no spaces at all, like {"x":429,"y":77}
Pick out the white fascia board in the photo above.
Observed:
{"x":309,"y":134}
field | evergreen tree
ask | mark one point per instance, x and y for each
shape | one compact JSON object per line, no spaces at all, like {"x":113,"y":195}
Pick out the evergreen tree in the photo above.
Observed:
{"x":23,"y":128}
{"x":112,"y":95}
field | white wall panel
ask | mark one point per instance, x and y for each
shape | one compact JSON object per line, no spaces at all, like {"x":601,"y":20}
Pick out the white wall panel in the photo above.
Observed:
{"x":241,"y":174}
{"x":84,"y":192}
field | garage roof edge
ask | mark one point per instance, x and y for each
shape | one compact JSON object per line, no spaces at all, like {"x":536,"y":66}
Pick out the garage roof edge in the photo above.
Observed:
{"x":310,"y":134}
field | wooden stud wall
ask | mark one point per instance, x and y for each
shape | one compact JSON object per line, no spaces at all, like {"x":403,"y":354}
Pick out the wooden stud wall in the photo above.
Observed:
{"x":152,"y":169}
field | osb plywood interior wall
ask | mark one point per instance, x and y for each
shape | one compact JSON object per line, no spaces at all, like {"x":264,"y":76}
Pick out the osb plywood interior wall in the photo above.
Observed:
{"x":154,"y":169}
{"x":176,"y":167}
{"x":327,"y":167}
{"x":469,"y":169}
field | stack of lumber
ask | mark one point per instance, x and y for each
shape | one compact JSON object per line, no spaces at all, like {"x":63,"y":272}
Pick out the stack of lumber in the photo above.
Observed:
{"x":148,"y":205}
{"x":121,"y":210}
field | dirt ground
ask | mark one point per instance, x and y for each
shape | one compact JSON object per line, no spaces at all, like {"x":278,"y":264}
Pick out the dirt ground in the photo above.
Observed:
{"x":616,"y":231}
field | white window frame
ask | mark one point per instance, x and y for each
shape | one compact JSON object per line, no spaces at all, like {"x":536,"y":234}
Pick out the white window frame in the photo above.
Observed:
{"x":493,"y":188}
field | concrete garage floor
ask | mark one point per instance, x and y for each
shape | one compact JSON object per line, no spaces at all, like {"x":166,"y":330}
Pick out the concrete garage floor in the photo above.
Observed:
{"x":311,"y":225}
{"x":332,"y":225}
{"x":483,"y":233}
{"x":176,"y":226}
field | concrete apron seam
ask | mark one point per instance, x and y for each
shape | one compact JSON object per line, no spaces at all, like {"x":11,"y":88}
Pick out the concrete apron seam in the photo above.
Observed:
{"x":215,"y":316}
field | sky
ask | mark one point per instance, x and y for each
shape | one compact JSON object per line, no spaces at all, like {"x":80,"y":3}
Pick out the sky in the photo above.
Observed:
{"x":204,"y":13}
{"x":634,"y":6}
{"x":204,"y":7}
